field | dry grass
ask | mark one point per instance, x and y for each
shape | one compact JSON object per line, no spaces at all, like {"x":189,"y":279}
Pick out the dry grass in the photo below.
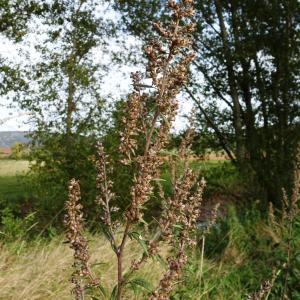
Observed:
{"x":42,"y":270}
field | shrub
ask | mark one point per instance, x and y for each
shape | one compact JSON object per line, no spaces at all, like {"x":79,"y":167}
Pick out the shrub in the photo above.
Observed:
{"x":13,"y":227}
{"x":19,"y":151}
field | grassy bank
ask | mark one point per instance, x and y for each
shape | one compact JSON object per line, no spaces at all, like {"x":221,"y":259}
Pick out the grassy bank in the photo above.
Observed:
{"x":246,"y":248}
{"x":11,"y":173}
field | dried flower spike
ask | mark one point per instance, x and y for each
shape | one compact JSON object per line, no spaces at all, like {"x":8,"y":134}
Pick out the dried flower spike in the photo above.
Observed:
{"x":74,"y":224}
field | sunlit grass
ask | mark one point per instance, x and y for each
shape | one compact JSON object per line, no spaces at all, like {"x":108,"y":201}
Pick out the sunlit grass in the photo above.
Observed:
{"x":43,"y":269}
{"x":10,"y":167}
{"x":13,"y":188}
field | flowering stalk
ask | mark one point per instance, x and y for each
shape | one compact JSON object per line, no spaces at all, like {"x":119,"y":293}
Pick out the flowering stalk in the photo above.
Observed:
{"x":178,"y":221}
{"x":167,"y":69}
{"x":82,"y":276}
{"x":147,"y":123}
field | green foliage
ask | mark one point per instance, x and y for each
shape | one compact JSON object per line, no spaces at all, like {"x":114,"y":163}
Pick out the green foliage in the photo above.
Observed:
{"x":221,"y":175}
{"x":52,"y":168}
{"x":16,"y":194}
{"x":241,"y":252}
{"x":19,"y":151}
{"x":245,"y":69}
{"x":121,"y":174}
{"x":15,"y":16}
{"x":64,"y":102}
{"x":283,"y":231}
{"x":13,"y":228}
{"x":138,"y":16}
{"x":140,"y":283}
{"x":15,"y":189}
{"x":133,"y":235}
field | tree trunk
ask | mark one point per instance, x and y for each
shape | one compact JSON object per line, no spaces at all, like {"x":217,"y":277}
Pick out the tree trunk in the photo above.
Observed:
{"x":232,"y":86}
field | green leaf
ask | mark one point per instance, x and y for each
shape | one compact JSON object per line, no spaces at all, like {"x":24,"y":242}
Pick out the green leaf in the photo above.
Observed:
{"x":98,"y":264}
{"x":142,"y":283}
{"x":177,"y":226}
{"x":160,"y":260}
{"x":113,"y":295}
{"x":109,"y":236}
{"x":159,"y":179}
{"x":133,"y":235}
{"x":103,"y":291}
{"x":143,"y":221}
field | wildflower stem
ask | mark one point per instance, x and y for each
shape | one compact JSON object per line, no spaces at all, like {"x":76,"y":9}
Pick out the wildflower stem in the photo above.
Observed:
{"x":120,"y":261}
{"x":202,"y":258}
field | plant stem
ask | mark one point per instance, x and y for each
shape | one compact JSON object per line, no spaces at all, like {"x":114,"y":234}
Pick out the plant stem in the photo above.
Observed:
{"x":289,"y":250}
{"x":201,"y":261}
{"x":120,"y":261}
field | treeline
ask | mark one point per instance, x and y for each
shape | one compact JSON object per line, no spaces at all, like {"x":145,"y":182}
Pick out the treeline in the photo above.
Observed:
{"x":244,"y":84}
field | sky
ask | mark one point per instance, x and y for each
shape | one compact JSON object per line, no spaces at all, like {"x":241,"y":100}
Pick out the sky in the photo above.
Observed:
{"x":117,"y":82}
{"x":10,"y":119}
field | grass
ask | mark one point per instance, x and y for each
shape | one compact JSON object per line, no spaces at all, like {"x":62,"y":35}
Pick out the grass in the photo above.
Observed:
{"x":13,"y":187}
{"x":222,"y":179}
{"x":239,"y":256}
{"x":234,"y":266}
{"x":42,"y":270}
{"x":239,"y":252}
{"x":10,"y":167}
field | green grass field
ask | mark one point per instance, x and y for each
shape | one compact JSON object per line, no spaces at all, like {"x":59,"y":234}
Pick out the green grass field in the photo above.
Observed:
{"x":12,"y":185}
{"x":10,"y":167}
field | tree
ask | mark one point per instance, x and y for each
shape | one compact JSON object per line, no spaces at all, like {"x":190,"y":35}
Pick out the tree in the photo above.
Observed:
{"x":247,"y":72}
{"x":64,"y":99}
{"x":14,"y":19}
{"x":248,"y":57}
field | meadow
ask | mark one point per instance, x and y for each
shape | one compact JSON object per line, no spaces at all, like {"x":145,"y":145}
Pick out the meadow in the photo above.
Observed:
{"x":241,"y":252}
{"x":13,"y":186}
{"x":10,"y":167}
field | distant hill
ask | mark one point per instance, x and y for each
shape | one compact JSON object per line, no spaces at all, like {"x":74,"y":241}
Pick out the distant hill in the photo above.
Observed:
{"x":8,"y":138}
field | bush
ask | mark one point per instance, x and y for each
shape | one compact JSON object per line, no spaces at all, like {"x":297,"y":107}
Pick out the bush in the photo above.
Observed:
{"x":13,"y":227}
{"x":19,"y":151}
{"x":51,"y":168}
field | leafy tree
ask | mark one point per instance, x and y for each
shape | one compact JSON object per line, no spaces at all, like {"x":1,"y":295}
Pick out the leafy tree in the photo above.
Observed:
{"x":247,"y":72}
{"x":14,"y":19}
{"x":248,"y":53}
{"x":64,"y":99}
{"x":15,"y":16}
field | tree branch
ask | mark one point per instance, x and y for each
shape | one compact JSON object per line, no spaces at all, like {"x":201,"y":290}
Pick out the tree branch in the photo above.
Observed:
{"x":219,"y":134}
